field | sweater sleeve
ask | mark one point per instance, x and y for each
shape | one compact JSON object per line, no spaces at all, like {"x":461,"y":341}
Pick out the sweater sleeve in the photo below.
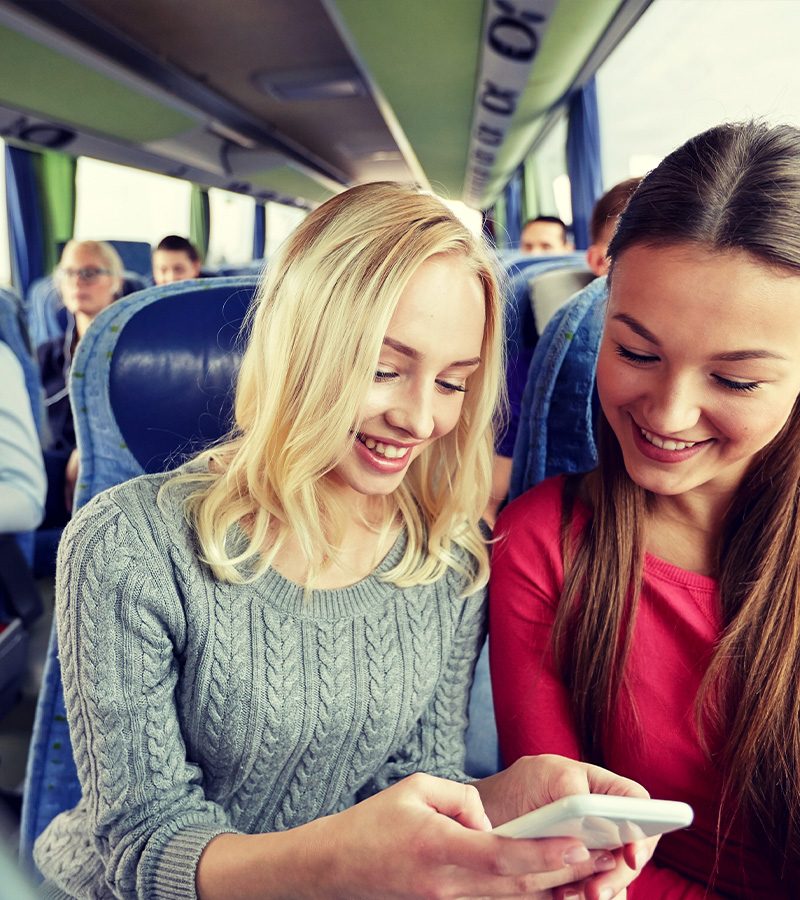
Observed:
{"x":531,"y":702}
{"x":436,"y":743}
{"x":120,"y":631}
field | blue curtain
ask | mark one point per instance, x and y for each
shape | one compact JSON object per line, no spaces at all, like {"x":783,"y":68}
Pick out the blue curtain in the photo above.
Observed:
{"x":260,"y":231}
{"x":24,"y":218}
{"x":514,"y":213}
{"x":583,"y":160}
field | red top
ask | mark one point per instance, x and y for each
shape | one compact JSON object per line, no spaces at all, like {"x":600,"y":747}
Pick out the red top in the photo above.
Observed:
{"x":676,"y":627}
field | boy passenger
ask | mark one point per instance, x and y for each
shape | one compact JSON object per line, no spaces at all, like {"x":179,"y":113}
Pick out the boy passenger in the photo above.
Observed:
{"x":175,"y":259}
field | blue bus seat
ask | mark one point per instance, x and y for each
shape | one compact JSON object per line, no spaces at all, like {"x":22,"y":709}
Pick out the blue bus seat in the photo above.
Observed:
{"x":556,"y":432}
{"x":520,"y":328}
{"x":47,"y":318}
{"x":151,"y":384}
{"x":136,"y":256}
{"x":550,"y":290}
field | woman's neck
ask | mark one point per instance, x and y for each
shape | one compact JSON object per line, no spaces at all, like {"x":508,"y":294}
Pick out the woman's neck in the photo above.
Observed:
{"x":82,"y":322}
{"x":685,"y":530}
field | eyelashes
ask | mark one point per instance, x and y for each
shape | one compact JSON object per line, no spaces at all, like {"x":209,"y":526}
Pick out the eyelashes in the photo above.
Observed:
{"x":447,"y":387}
{"x":639,"y":359}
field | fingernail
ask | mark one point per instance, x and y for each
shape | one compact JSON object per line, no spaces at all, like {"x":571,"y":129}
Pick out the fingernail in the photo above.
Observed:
{"x":574,"y":855}
{"x":606,"y":894}
{"x":604,"y":863}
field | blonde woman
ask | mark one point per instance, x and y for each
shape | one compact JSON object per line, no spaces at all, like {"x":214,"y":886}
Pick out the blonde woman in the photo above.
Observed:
{"x":261,"y":651}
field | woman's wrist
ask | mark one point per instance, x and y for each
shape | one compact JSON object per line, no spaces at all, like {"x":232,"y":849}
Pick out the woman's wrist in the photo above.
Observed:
{"x":286,"y":864}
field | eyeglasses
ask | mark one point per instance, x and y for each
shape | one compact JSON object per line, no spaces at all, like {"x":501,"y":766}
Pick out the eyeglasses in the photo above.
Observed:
{"x":89,"y":274}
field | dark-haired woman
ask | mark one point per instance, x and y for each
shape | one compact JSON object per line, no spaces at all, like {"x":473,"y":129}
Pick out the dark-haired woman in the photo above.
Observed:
{"x":648,"y":611}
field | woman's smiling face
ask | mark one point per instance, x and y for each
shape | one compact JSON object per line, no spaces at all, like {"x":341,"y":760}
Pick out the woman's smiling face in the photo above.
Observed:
{"x":699,"y":365}
{"x":432,"y":346}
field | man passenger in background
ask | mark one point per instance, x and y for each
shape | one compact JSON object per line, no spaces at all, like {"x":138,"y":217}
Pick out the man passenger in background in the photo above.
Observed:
{"x":544,"y":236}
{"x":175,"y":259}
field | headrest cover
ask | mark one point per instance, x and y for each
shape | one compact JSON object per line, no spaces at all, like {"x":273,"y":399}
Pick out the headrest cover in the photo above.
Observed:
{"x":173,"y":373}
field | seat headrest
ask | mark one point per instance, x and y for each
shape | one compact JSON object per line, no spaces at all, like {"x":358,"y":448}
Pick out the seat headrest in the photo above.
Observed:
{"x":173,"y":372}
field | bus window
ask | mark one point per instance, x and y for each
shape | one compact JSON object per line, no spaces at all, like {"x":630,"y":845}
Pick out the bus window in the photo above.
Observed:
{"x":5,"y":253}
{"x":281,"y":221}
{"x":548,"y":168}
{"x":119,"y":203}
{"x":232,"y":217}
{"x":688,"y":65}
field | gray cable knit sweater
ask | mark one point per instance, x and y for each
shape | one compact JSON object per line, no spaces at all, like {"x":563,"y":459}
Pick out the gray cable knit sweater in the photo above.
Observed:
{"x":198,"y":707}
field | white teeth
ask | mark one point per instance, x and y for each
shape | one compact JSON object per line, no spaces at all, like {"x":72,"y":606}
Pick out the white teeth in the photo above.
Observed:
{"x":390,"y":451}
{"x":668,"y":444}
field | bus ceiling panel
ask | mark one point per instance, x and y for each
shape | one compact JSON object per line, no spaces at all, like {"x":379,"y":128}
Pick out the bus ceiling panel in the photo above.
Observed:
{"x":579,"y":36}
{"x":287,"y":181}
{"x":83,"y":28}
{"x":420,"y":58}
{"x":277,"y":72}
{"x":51,"y":85}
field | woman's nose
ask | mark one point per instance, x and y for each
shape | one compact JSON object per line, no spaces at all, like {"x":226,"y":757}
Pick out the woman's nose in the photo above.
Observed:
{"x":672,"y":406}
{"x":412,"y":412}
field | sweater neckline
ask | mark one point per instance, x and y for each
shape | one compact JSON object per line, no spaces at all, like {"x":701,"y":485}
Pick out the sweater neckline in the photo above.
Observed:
{"x":667,"y":571}
{"x":329,"y":603}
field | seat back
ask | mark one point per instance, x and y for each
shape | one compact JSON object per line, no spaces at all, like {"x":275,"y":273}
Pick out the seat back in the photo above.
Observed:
{"x":151,"y":384}
{"x":14,"y":332}
{"x":521,"y":333}
{"x":551,"y":289}
{"x":556,"y":431}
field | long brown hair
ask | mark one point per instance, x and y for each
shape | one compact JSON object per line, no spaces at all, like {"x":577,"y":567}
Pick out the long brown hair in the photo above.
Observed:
{"x":732,"y":187}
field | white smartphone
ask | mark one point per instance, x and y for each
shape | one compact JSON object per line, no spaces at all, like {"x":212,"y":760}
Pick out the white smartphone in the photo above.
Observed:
{"x":601,"y":821}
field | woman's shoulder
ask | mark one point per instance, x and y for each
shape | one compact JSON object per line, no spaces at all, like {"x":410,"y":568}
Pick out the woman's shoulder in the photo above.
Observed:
{"x":150,"y":515}
{"x":540,"y":507}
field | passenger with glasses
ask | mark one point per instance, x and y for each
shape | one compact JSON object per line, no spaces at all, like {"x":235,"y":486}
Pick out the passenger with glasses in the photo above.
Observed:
{"x":89,"y":278}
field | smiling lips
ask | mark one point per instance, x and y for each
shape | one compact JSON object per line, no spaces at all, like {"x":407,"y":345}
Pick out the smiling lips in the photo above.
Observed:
{"x":666,"y":443}
{"x":664,"y":450}
{"x":390,"y":451}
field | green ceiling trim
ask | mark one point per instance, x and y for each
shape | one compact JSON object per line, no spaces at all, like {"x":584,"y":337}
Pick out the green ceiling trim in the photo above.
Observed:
{"x":290,"y":182}
{"x":424,"y":56}
{"x":574,"y":29}
{"x":48,"y":84}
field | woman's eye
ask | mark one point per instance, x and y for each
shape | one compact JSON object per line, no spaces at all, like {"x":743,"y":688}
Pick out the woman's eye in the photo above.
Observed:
{"x":637,"y":358}
{"x":449,"y":388}
{"x":384,"y":376}
{"x":743,"y":386}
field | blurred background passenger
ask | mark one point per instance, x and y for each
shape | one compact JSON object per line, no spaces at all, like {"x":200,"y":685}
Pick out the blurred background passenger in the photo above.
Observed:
{"x":605,"y":216}
{"x":22,"y":480}
{"x":175,"y":259}
{"x":544,"y":236}
{"x":89,"y":278}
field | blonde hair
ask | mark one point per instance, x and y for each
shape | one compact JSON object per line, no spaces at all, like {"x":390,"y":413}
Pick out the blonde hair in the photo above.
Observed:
{"x":109,"y":256}
{"x":316,"y":332}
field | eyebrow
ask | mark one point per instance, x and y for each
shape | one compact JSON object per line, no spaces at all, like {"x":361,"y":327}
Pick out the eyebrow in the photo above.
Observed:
{"x":411,"y":353}
{"x":730,"y":356}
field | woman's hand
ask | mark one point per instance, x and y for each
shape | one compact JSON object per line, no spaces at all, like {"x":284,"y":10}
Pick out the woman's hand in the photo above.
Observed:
{"x":424,"y":837}
{"x":534,"y":781}
{"x":427,"y":837}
